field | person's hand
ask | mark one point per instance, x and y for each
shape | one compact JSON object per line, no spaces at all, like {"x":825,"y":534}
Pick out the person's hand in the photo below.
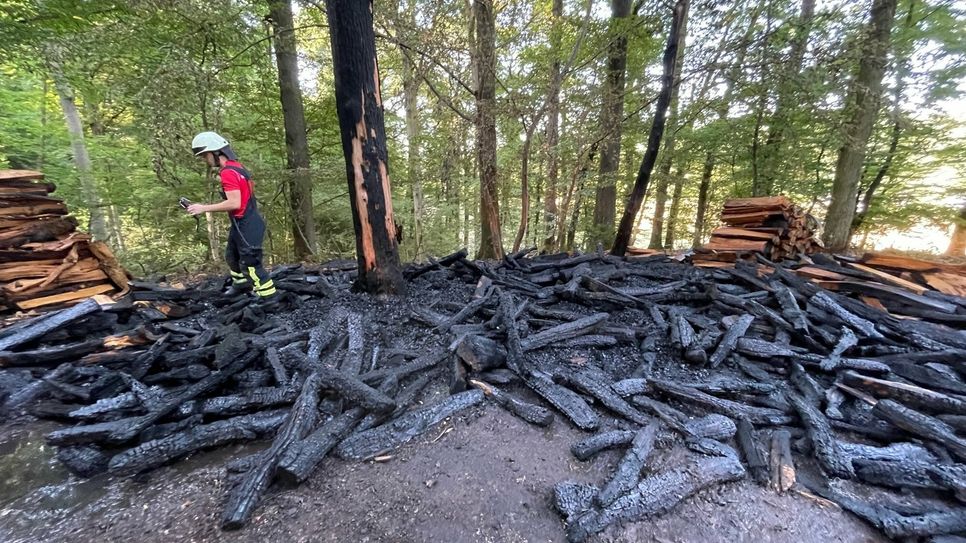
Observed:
{"x":196,"y":209}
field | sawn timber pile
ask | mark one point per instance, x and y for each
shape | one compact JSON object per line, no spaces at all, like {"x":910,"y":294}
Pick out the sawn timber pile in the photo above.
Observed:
{"x":44,"y":261}
{"x":760,"y":375}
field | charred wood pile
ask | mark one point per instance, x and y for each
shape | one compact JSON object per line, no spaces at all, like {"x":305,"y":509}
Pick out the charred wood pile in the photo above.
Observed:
{"x":752,"y":372}
{"x":44,"y":261}
{"x":770,"y":225}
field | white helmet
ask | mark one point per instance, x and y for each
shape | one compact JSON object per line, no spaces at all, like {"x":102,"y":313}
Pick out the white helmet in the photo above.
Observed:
{"x":208,"y":142}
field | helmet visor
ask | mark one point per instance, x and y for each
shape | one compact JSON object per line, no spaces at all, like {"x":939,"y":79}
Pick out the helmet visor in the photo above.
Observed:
{"x":198,"y":150}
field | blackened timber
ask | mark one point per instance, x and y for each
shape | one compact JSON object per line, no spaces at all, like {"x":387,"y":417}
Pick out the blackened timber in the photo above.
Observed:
{"x":84,"y":460}
{"x":756,"y":415}
{"x":657,"y":494}
{"x":245,"y":497}
{"x":573,"y":499}
{"x":910,"y":473}
{"x":790,"y":309}
{"x":300,"y":460}
{"x":481,"y":353}
{"x":123,"y":430}
{"x":830,"y":455}
{"x":47,"y":323}
{"x":250,"y":400}
{"x":564,"y":399}
{"x":748,"y":443}
{"x":403,"y":429}
{"x":534,"y":414}
{"x":352,"y":363}
{"x":927,"y":376}
{"x":591,"y":385}
{"x":152,"y":454}
{"x":165,"y":429}
{"x":514,"y":354}
{"x":422,"y":363}
{"x":563,"y":332}
{"x":278,"y":369}
{"x":730,"y":339}
{"x":628,"y":471}
{"x":824,"y":302}
{"x":406,"y":397}
{"x":468,"y":311}
{"x":447,"y":260}
{"x":354,"y":390}
{"x":911,"y":395}
{"x":587,"y":448}
{"x":921,"y":425}
{"x":147,"y":359}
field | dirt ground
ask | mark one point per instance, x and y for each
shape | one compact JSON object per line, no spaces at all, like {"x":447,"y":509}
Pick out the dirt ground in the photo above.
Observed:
{"x":483,"y":477}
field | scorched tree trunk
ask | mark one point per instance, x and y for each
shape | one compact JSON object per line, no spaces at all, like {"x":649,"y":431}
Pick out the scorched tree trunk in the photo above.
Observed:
{"x":359,"y":105}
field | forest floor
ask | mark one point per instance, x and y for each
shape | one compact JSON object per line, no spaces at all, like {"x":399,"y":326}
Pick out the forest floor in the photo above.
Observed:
{"x":483,"y":475}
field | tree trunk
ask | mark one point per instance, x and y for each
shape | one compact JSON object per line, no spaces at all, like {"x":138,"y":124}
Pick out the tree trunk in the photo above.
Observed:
{"x":296,"y":140}
{"x":703,"y":190}
{"x":411,"y":84}
{"x":82,"y":160}
{"x":359,"y":105}
{"x":524,"y":187}
{"x":491,"y":238}
{"x":605,"y":203}
{"x":957,"y":244}
{"x":667,"y":155}
{"x":672,"y":218}
{"x":674,"y":41}
{"x":778,"y":126}
{"x":902,"y":72}
{"x":863,"y":105}
{"x":550,"y":211}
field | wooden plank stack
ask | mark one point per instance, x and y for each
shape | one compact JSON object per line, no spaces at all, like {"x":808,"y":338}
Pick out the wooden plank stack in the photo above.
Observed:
{"x":44,"y":261}
{"x":772,"y":226}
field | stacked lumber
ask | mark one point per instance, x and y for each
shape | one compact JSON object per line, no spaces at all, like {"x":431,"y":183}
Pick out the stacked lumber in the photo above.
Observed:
{"x":753,"y":369}
{"x":772,"y":226}
{"x":44,"y":261}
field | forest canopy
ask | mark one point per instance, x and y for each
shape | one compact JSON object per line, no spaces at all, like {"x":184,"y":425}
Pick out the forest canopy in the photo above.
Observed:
{"x":769,"y":97}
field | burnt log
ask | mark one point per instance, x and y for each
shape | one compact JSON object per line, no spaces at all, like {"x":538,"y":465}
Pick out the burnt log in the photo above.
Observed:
{"x":564,"y":399}
{"x":406,"y":397}
{"x":120,"y":431}
{"x":393,"y":434}
{"x":586,"y":449}
{"x":865,"y":327}
{"x":629,"y":387}
{"x":165,"y":429}
{"x":534,"y":414}
{"x":657,"y":494}
{"x":831,"y":457}
{"x":748,"y":443}
{"x":573,"y":499}
{"x":563,"y":332}
{"x":734,"y":410}
{"x":155,"y":453}
{"x":595,"y":387}
{"x":628,"y":471}
{"x":730,"y":339}
{"x":481,"y":353}
{"x":244,"y":498}
{"x":914,"y":396}
{"x":399,"y":372}
{"x":84,"y":460}
{"x":44,"y":324}
{"x":921,"y":425}
{"x":246,"y":402}
{"x":927,"y":377}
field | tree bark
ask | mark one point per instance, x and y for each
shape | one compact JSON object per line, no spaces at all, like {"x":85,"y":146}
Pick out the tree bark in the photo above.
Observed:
{"x":82,"y":160}
{"x":667,"y":155}
{"x":612,"y":114}
{"x":862,"y":107}
{"x":902,"y":72}
{"x":296,"y":140}
{"x":672,"y":217}
{"x":491,"y":238}
{"x":550,"y":210}
{"x":411,"y":84}
{"x":957,"y":244}
{"x":778,"y":126}
{"x":674,"y":41}
{"x":359,"y":105}
{"x":703,"y":190}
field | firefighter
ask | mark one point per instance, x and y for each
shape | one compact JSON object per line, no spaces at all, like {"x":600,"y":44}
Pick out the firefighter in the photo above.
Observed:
{"x":244,"y":251}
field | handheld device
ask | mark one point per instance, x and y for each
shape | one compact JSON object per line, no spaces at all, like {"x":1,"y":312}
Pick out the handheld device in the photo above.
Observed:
{"x":184,"y":202}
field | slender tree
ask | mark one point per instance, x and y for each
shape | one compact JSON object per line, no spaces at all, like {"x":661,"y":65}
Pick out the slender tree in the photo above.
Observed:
{"x":361,"y":121}
{"x":550,"y":210}
{"x":82,"y":159}
{"x":674,"y":41}
{"x":862,"y":106}
{"x":405,"y":22}
{"x":296,"y":140}
{"x":491,"y":238}
{"x":667,"y":155}
{"x":611,"y":117}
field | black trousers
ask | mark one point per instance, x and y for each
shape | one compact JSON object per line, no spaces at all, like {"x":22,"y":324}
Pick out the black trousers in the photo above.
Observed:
{"x":244,"y":254}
